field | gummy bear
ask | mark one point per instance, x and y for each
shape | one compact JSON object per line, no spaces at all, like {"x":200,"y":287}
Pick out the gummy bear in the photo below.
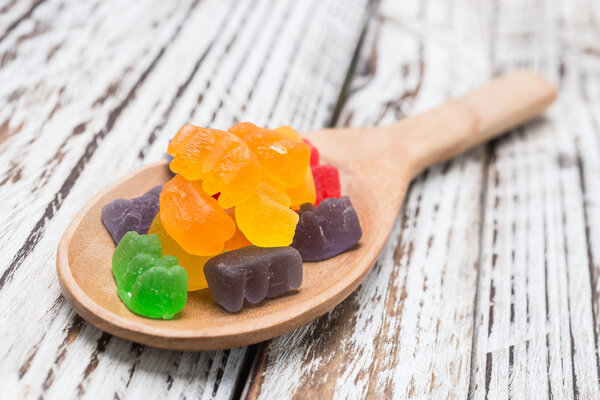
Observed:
{"x":282,"y":155}
{"x":193,"y":218}
{"x":254,"y":273}
{"x":193,"y":264}
{"x":223,"y":162}
{"x":327,"y":230}
{"x":121,"y":215}
{"x":327,"y":182}
{"x":147,"y":284}
{"x":284,"y":159}
{"x":266,"y":218}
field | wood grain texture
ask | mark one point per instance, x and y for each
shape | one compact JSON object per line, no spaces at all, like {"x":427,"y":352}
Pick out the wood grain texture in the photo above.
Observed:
{"x":535,"y":330}
{"x":100,"y":91}
{"x":488,"y":287}
{"x":367,"y":158}
{"x":408,"y":327}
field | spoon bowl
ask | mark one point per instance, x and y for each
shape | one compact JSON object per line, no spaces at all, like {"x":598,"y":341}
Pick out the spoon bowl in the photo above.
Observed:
{"x":85,"y":272}
{"x":376,"y":166}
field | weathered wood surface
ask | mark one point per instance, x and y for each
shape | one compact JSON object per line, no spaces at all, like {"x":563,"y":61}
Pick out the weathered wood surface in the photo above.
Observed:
{"x":489,"y":285}
{"x":408,"y":327}
{"x":535,"y":331}
{"x":91,"y":89}
{"x":521,"y":211}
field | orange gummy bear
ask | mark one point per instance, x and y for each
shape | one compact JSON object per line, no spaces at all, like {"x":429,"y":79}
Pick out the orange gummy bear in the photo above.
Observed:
{"x":225,"y":163}
{"x":282,"y":155}
{"x":302,"y":192}
{"x":194,"y":265}
{"x":266,"y":219}
{"x":193,"y":218}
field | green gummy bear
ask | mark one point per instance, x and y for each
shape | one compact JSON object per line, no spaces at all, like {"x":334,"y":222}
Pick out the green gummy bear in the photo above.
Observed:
{"x":149,"y":285}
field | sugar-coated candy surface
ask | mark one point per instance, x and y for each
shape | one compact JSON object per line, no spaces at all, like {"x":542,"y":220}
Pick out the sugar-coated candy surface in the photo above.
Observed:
{"x":284,"y":159}
{"x":223,"y":161}
{"x":266,"y":219}
{"x":327,"y":182}
{"x":121,"y":215}
{"x":148,"y":283}
{"x":282,"y":155}
{"x":327,"y":230}
{"x":304,"y":193}
{"x":314,"y":153}
{"x":194,"y":265}
{"x":253,"y":273}
{"x":193,"y":218}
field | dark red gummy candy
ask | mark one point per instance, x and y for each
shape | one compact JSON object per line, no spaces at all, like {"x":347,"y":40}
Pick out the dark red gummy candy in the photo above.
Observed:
{"x":327,"y":182}
{"x":121,"y":215}
{"x":327,"y":230}
{"x":314,"y":153}
{"x":253,"y":273}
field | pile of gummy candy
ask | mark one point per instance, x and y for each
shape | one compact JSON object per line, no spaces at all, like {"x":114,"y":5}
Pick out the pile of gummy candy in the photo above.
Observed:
{"x":244,"y":209}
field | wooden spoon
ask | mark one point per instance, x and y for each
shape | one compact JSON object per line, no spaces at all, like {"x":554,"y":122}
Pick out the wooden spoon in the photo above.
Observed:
{"x":376,"y":166}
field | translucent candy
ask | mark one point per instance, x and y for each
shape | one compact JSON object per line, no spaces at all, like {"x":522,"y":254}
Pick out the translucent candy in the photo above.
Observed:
{"x":284,"y":160}
{"x":222,"y":160}
{"x":147,"y":284}
{"x":253,"y":273}
{"x":327,"y":182}
{"x":327,"y":230}
{"x":238,"y":240}
{"x":314,"y":153}
{"x":266,"y":219}
{"x":304,"y":193}
{"x":282,"y":155}
{"x":193,"y":218}
{"x":193,"y":264}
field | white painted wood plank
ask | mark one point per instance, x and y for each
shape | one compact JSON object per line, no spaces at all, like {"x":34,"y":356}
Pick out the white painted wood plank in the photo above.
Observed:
{"x":534,"y":336}
{"x":16,"y":13}
{"x":202,"y":77}
{"x":406,"y":332}
{"x":64,"y":88}
{"x":536,"y":327}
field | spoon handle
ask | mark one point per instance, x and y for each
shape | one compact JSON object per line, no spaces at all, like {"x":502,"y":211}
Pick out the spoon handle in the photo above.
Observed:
{"x":474,"y":118}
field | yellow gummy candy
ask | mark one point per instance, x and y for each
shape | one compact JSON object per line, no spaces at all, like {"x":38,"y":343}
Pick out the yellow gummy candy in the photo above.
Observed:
{"x":266,"y":218}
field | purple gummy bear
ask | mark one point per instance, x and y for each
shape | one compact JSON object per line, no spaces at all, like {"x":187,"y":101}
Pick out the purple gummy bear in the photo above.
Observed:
{"x":121,"y":215}
{"x":327,"y":230}
{"x":254,"y":273}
